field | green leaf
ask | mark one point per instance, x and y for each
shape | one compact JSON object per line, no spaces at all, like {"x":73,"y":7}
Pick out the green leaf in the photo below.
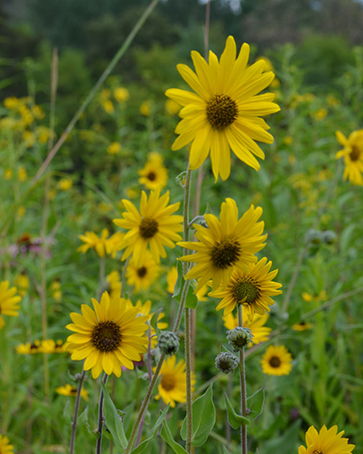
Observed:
{"x":191,"y":300}
{"x":113,"y":421}
{"x":142,"y":446}
{"x":168,"y":437}
{"x":203,"y":418}
{"x":179,"y":281}
{"x":255,"y":403}
{"x":225,"y":450}
{"x":154,"y":321}
{"x":235,"y":420}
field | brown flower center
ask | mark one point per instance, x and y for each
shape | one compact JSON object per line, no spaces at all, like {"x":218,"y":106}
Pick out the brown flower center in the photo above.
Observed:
{"x":222,"y":111}
{"x":141,"y":272}
{"x":246,"y":291}
{"x":106,"y":336}
{"x":317,"y":452}
{"x":73,"y":390}
{"x":151,"y":176}
{"x":275,"y":361}
{"x":148,"y":228}
{"x":226,"y":253}
{"x":167,"y":382}
{"x":354,"y":154}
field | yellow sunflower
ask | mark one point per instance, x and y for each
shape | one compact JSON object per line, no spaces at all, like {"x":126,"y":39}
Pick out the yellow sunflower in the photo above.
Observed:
{"x":225,"y":245}
{"x":253,"y":290}
{"x":5,"y":446}
{"x":51,"y":346}
{"x":9,"y":301}
{"x":276,"y":361}
{"x":154,"y":175}
{"x":71,"y":391}
{"x":172,"y":387}
{"x":353,"y":156}
{"x":326,"y":442}
{"x":152,"y":227}
{"x":22,"y":283}
{"x":256,"y":325}
{"x":142,"y":276}
{"x":29,"y":348}
{"x":102,"y":245}
{"x":108,"y":337}
{"x":302,"y":326}
{"x":224,"y":111}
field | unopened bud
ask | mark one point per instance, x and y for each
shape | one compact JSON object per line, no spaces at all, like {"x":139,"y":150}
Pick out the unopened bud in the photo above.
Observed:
{"x":227,"y":362}
{"x":329,"y":237}
{"x":313,"y":236}
{"x":168,"y":342}
{"x":238,"y":338}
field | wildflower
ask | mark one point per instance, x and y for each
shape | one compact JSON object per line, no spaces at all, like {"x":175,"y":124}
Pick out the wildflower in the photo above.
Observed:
{"x":29,"y":348}
{"x":288,"y":140}
{"x":108,"y":106}
{"x":9,"y":301}
{"x":224,"y":112}
{"x":38,"y":112}
{"x":5,"y":446}
{"x":317,"y":298}
{"x":321,"y":114}
{"x":302,"y":326}
{"x":20,"y":212}
{"x":226,"y":362}
{"x":11,"y":103}
{"x":332,"y":101}
{"x":71,"y":391}
{"x":22,"y":283}
{"x":22,"y":174}
{"x":8,"y":174}
{"x":171,"y":279}
{"x":226,"y":244}
{"x":50,"y":346}
{"x":172,"y":107}
{"x":121,"y":94}
{"x":114,"y":148}
{"x":105,"y":94}
{"x":172,"y":387}
{"x":108,"y":337}
{"x":131,"y":193}
{"x":43,"y":134}
{"x":326,"y":442}
{"x":145,"y":108}
{"x":276,"y":361}
{"x":353,"y":156}
{"x":102,"y":245}
{"x":153,"y":227}
{"x":154,"y":175}
{"x":29,"y":138}
{"x":142,"y":276}
{"x":56,"y":289}
{"x":256,"y":325}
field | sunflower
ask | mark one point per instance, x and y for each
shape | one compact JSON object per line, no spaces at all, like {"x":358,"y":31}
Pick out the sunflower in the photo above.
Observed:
{"x":252,"y":290}
{"x":325,"y":442}
{"x":51,"y":346}
{"x":353,"y":156}
{"x":224,"y":111}
{"x":142,"y":276}
{"x":154,"y":175}
{"x":172,"y":387}
{"x":102,"y":245}
{"x":5,"y":446}
{"x":22,"y":283}
{"x":152,"y":227}
{"x":276,"y":361}
{"x":224,"y":245}
{"x":302,"y":326}
{"x":256,"y":325}
{"x":29,"y":348}
{"x":71,"y":391}
{"x":108,"y":337}
{"x":9,"y":302}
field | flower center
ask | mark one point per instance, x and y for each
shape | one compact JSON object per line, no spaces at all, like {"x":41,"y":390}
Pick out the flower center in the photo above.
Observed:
{"x":245,"y":291}
{"x":317,"y":452}
{"x":222,"y":111}
{"x":275,"y":361}
{"x":34,"y":347}
{"x":106,"y":336}
{"x":73,"y":390}
{"x":167,"y":382}
{"x":354,"y":154}
{"x":225,"y":254}
{"x":151,"y":176}
{"x":148,"y":228}
{"x":141,"y":272}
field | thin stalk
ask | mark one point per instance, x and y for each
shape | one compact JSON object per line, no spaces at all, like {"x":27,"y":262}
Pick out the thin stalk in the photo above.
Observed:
{"x":188,"y":367}
{"x":102,"y":275}
{"x":123,"y":278}
{"x":76,"y":410}
{"x":228,"y":427}
{"x":100,"y":417}
{"x":242,"y":379}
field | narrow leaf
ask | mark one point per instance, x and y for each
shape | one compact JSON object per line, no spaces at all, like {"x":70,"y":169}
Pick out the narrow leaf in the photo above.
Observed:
{"x":235,"y":420}
{"x":113,"y":421}
{"x":168,"y":437}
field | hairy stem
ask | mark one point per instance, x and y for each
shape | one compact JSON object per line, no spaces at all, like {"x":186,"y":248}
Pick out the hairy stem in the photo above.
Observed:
{"x":242,"y":378}
{"x":76,"y":410}
{"x":100,"y":417}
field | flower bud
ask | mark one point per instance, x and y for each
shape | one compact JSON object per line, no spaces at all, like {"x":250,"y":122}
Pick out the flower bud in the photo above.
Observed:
{"x":227,"y":362}
{"x":168,"y":342}
{"x":313,"y":236}
{"x":154,"y":355}
{"x":329,"y":237}
{"x":238,"y":338}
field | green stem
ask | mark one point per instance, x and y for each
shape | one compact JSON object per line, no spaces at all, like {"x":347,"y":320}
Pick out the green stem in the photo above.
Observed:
{"x":76,"y":410}
{"x":102,"y":276}
{"x":242,"y":378}
{"x":100,"y":417}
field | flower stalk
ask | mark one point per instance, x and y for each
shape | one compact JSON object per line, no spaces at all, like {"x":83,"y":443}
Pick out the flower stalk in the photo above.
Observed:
{"x":100,"y":417}
{"x":242,"y":378}
{"x":76,"y":411}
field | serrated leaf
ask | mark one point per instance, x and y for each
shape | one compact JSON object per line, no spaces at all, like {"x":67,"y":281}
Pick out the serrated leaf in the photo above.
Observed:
{"x":179,"y":281}
{"x":191,"y":300}
{"x":235,"y":420}
{"x":168,"y":437}
{"x":142,"y":446}
{"x":255,"y":403}
{"x":113,"y":421}
{"x":203,"y":418}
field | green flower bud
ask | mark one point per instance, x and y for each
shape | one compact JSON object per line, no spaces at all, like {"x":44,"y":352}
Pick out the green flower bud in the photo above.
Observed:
{"x":238,"y":338}
{"x":313,"y":236}
{"x":168,"y":342}
{"x":329,"y":237}
{"x":227,"y":362}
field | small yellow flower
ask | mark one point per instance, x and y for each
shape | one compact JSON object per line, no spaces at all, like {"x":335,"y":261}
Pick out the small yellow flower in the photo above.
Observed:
{"x":105,"y":207}
{"x":142,"y":275}
{"x":50,"y":346}
{"x":108,"y":106}
{"x":26,"y":115}
{"x":9,"y":301}
{"x":22,"y":174}
{"x":353,"y":156}
{"x":121,"y":94}
{"x":326,"y":442}
{"x":22,"y":282}
{"x":65,"y":184}
{"x":288,"y":140}
{"x":28,"y":348}
{"x":105,"y":94}
{"x":302,"y":326}
{"x":43,"y":134}
{"x":71,"y":391}
{"x":38,"y":112}
{"x":320,"y":114}
{"x":333,"y":101}
{"x":20,"y":213}
{"x":145,"y":108}
{"x":154,"y":175}
{"x":114,"y":148}
{"x":8,"y":174}
{"x":115,"y":284}
{"x":11,"y":103}
{"x":171,"y":279}
{"x":5,"y":446}
{"x":132,"y":193}
{"x":276,"y":361}
{"x":29,"y":138}
{"x":172,"y":107}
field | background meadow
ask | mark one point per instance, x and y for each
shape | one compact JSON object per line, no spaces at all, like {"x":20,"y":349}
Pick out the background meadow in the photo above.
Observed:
{"x":313,"y":218}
